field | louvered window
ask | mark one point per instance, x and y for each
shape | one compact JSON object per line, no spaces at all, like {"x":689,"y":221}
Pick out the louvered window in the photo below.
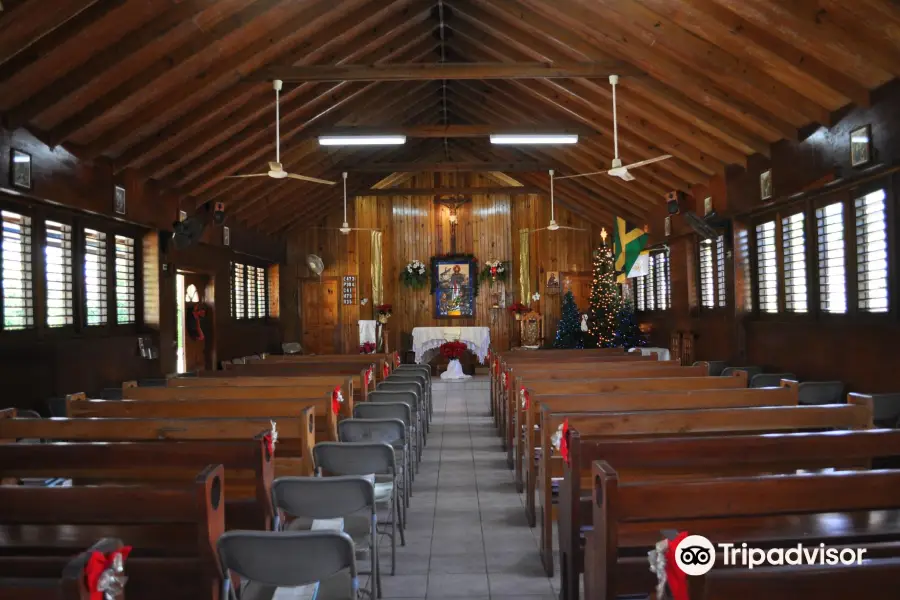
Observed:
{"x":743,"y":249}
{"x":707,"y":275}
{"x":766,"y":267}
{"x":661,"y":271}
{"x":871,"y":252}
{"x":650,"y":284}
{"x":640,"y":288}
{"x":125,"y":301}
{"x":793,"y":236}
{"x":832,"y":273}
{"x":15,"y":259}
{"x":95,"y":285}
{"x":58,"y":272}
{"x":250,"y":274}
{"x":720,"y":271}
{"x":238,"y":292}
{"x":261,"y":303}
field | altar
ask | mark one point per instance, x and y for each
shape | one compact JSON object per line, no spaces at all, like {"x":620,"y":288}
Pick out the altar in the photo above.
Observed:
{"x":427,"y":341}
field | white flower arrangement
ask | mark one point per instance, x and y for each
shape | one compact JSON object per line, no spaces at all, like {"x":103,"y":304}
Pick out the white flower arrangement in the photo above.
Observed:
{"x":556,"y":438}
{"x":415,"y":275}
{"x":499,"y":265}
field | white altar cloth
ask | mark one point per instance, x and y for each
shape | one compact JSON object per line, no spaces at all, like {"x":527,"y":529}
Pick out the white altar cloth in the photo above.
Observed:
{"x":662,"y":353}
{"x":427,"y":340}
{"x":366,"y":331}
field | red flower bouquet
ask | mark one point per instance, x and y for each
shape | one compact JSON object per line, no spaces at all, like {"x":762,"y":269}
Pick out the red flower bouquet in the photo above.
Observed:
{"x":518,"y":308}
{"x":367,"y":348}
{"x":452,"y":350}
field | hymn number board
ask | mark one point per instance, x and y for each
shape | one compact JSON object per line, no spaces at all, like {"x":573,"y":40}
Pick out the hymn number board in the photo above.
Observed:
{"x":349,"y":289}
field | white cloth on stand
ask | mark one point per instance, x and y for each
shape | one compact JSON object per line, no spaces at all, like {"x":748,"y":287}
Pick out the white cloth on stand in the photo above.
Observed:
{"x":426,"y":340}
{"x":366,"y":332}
{"x":454,"y":371}
{"x":662,"y":353}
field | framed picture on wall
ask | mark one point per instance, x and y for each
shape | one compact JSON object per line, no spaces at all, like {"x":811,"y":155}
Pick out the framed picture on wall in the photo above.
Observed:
{"x":668,"y":225}
{"x":20,"y":169}
{"x":454,"y":286}
{"x":119,"y":200}
{"x":226,"y":236}
{"x":765,"y":185}
{"x":552,"y":285}
{"x":861,"y":145}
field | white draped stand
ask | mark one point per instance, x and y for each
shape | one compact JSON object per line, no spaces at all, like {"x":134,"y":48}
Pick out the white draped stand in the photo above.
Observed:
{"x":427,"y":342}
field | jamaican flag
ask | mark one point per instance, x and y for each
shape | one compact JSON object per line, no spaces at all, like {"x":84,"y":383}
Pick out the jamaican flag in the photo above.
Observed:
{"x":628,"y":245}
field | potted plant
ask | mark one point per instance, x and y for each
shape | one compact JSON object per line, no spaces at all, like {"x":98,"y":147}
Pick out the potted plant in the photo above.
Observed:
{"x":518,"y":309}
{"x":452,"y":351}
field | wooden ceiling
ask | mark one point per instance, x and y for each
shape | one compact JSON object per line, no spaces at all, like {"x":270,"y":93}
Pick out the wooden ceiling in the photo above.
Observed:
{"x":179,"y":90}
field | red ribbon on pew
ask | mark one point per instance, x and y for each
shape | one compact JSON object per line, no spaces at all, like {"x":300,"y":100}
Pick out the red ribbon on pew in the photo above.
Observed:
{"x":98,"y":563}
{"x":385,"y":370}
{"x":564,"y":442}
{"x":396,"y":360}
{"x":336,"y":399}
{"x":675,"y":577}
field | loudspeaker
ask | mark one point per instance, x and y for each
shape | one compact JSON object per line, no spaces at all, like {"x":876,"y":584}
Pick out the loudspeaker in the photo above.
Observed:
{"x":673,"y":201}
{"x":219,"y":213}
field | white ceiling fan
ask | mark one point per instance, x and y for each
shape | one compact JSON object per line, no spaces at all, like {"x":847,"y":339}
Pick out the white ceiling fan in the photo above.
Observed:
{"x":276,"y":171}
{"x":345,"y":226}
{"x":618,"y":170}
{"x":553,"y":226}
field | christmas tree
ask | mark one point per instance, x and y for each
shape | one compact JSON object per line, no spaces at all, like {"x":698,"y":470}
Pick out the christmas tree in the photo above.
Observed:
{"x":628,"y":334}
{"x":568,"y":330}
{"x":604,"y":301}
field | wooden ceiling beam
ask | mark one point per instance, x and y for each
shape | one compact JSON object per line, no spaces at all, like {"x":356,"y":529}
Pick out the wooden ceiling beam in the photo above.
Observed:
{"x":107,"y":59}
{"x":451,"y":167}
{"x":27,"y":55}
{"x":665,"y":96}
{"x":799,"y":70}
{"x":359,"y":33}
{"x":445,"y":191}
{"x":442,"y":71}
{"x":25,"y":25}
{"x":195,"y":44}
{"x":482,"y":130}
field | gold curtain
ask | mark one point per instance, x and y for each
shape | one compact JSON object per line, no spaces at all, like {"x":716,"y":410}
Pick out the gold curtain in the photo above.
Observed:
{"x":524,"y":267}
{"x":377,"y":284}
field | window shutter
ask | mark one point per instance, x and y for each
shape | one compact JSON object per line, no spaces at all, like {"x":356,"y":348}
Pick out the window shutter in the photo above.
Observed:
{"x":766,"y":267}
{"x":15,"y":261}
{"x":707,"y":275}
{"x":239,"y":290}
{"x":793,"y":235}
{"x":871,"y":252}
{"x":95,"y":288}
{"x":721,"y":294}
{"x":743,"y":249}
{"x":261,"y":303}
{"x":832,"y":273}
{"x":250,"y":274}
{"x":663,"y":297}
{"x":125,"y":301}
{"x":58,"y":273}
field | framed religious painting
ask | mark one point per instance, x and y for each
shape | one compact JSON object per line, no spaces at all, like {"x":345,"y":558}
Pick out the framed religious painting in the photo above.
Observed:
{"x":454,"y":279}
{"x":861,"y":146}
{"x":20,"y":169}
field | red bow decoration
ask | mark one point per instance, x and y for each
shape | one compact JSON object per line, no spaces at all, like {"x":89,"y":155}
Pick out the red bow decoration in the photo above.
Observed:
{"x":397,"y":360}
{"x":564,"y":442}
{"x":675,"y":577}
{"x":98,"y":564}
{"x":368,"y":376}
{"x":385,"y":370}
{"x":493,"y":271}
{"x":336,"y":399}
{"x":526,"y":399}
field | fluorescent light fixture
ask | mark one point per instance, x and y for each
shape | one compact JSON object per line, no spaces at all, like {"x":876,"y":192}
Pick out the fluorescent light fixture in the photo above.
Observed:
{"x":362,"y":140}
{"x":532,"y":138}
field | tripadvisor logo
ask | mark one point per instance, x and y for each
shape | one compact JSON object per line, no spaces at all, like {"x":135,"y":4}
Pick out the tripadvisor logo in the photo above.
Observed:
{"x":696,"y":555}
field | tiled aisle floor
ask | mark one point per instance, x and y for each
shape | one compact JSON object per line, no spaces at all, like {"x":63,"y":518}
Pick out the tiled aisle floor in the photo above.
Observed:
{"x":467,"y":535}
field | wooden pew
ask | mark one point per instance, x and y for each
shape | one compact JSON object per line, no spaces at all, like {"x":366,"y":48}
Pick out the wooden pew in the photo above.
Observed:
{"x":536,"y":389}
{"x":567,"y":371}
{"x":289,"y":369}
{"x":765,"y":511}
{"x":247,"y":464}
{"x":312,"y":393}
{"x":653,"y":459}
{"x":50,"y":577}
{"x":173,"y":530}
{"x":704,"y":421}
{"x":359,"y":395}
{"x":296,"y":435}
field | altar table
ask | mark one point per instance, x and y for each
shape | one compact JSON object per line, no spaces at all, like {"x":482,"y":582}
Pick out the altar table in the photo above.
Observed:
{"x":427,"y":340}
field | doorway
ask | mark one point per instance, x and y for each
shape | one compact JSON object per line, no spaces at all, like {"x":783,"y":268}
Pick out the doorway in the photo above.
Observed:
{"x":194,"y":320}
{"x":320,"y":318}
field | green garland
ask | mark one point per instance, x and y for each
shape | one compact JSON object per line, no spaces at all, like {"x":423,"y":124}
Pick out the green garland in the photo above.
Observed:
{"x":473,"y":275}
{"x":485,"y":274}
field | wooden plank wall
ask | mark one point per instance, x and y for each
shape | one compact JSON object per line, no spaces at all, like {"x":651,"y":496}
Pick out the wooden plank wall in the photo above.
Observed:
{"x":415,"y":228}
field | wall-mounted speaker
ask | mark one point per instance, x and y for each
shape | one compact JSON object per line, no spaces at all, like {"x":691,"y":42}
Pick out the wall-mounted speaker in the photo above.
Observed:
{"x":673,"y":201}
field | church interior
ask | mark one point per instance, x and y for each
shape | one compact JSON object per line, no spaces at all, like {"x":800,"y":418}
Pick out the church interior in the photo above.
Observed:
{"x":484,"y":299}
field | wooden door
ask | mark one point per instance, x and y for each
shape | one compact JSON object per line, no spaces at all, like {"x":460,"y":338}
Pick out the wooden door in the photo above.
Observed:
{"x":319,"y":312}
{"x":198,"y":323}
{"x":580,"y":284}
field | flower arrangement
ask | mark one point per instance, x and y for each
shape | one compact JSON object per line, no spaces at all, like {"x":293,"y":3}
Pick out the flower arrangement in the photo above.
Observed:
{"x":383,"y":312}
{"x":415,"y":275}
{"x":494,"y":270}
{"x":452,"y":350}
{"x":367,"y":348}
{"x":518,"y":309}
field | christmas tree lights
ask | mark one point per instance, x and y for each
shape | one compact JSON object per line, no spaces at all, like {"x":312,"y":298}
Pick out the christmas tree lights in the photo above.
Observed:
{"x":603,"y":312}
{"x":568,"y":330}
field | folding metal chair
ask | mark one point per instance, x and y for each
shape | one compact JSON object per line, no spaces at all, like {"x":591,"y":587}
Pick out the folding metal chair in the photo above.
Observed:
{"x":407,"y":394}
{"x":386,"y":430}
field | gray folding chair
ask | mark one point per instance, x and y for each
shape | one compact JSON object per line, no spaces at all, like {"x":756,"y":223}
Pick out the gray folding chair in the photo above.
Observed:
{"x":356,"y":458}
{"x":351,"y":497}
{"x":267,"y":560}
{"x":821,"y":392}
{"x":424,"y":381}
{"x":769,"y":379}
{"x":393,"y":431}
{"x":391,"y":410}
{"x":407,"y":394}
{"x":886,"y":409}
{"x":400,"y":384}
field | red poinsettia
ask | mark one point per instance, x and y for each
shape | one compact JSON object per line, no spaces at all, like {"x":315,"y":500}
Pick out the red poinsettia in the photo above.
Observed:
{"x":383,"y":309}
{"x":452,"y":350}
{"x":518,"y":308}
{"x":367,"y":348}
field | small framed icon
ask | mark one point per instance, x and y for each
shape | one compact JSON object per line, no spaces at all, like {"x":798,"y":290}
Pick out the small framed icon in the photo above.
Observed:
{"x":119,"y":200}
{"x":20,"y":169}
{"x":861,"y":145}
{"x":182,"y":215}
{"x":707,"y":205}
{"x":668,"y":225}
{"x":765,"y":185}
{"x":226,"y":236}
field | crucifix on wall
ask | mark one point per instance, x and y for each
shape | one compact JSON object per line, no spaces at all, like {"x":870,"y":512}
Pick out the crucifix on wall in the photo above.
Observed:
{"x":453,"y":203}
